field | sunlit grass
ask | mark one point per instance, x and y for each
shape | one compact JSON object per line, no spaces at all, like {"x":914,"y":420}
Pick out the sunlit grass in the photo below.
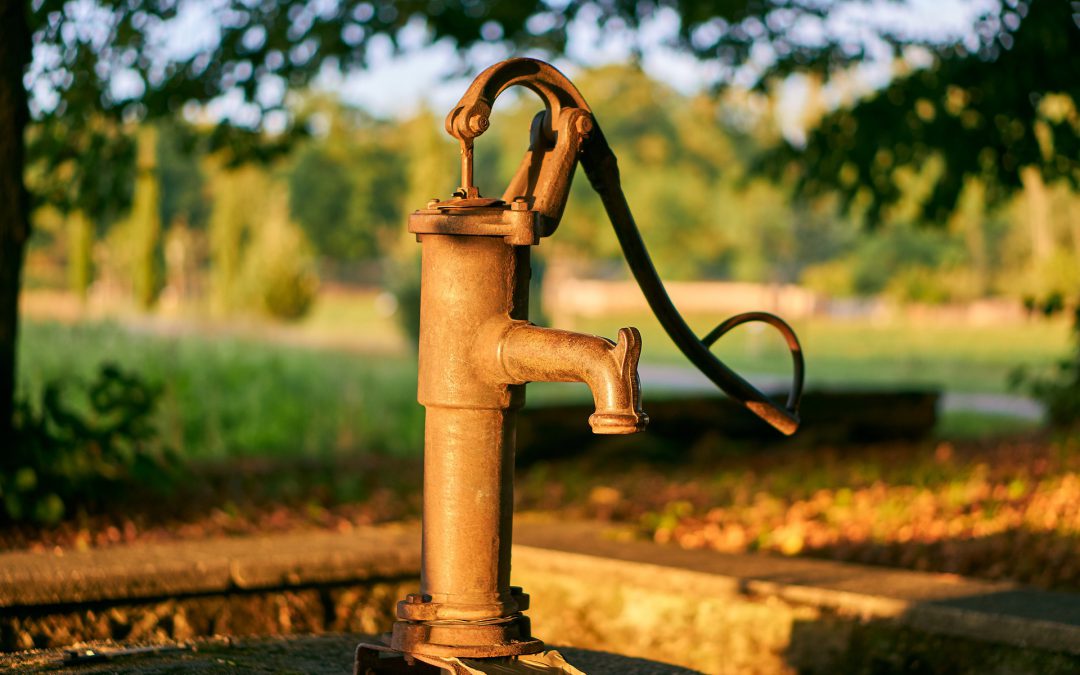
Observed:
{"x":228,"y":396}
{"x":974,"y":425}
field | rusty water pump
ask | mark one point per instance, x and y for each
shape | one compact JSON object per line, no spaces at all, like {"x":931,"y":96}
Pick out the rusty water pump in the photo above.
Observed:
{"x":478,"y":350}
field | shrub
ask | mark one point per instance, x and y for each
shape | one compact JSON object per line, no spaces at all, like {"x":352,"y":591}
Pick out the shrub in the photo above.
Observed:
{"x":279,"y":267}
{"x":68,"y":455}
{"x":835,"y":278}
{"x":1059,"y":389}
{"x":404,"y":282}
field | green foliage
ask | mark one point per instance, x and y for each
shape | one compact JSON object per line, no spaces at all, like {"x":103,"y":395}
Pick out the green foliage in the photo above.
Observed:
{"x":1058,"y":390}
{"x":279,"y":271}
{"x":932,"y":285}
{"x":1059,"y":387}
{"x":404,"y":283}
{"x":132,"y":247}
{"x":259,"y":258}
{"x":73,"y":455}
{"x":81,"y":116}
{"x":234,"y":397}
{"x":901,"y":261}
{"x":684,"y":170}
{"x":987,"y":113}
{"x":346,"y":188}
{"x":80,"y":245}
{"x":82,"y":162}
{"x":144,"y":224}
{"x":183,"y":183}
{"x":238,"y":207}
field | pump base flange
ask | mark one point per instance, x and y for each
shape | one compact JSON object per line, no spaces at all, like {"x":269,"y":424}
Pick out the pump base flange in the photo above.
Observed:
{"x":465,"y":639}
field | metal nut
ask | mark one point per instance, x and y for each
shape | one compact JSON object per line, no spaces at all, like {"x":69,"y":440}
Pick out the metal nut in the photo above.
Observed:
{"x":478,"y":123}
{"x":519,"y":204}
{"x":584,"y":124}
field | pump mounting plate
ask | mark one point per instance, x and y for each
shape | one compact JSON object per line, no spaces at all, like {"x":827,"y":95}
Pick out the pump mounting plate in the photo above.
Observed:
{"x":516,"y":226}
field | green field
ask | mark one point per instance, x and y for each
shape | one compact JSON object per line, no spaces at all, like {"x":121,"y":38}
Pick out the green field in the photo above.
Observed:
{"x":228,"y":396}
{"x":344,"y":380}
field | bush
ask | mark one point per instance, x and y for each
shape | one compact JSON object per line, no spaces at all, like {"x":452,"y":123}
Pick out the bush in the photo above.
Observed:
{"x":279,"y":268}
{"x":1058,"y":390}
{"x":64,"y":458}
{"x":404,"y":282}
{"x":835,"y":278}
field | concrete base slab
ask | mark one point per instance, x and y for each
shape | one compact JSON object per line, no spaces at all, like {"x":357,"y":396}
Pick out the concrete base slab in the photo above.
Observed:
{"x":313,"y":655}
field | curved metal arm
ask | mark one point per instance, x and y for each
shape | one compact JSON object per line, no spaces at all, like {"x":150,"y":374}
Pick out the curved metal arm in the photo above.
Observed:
{"x":471,"y":116}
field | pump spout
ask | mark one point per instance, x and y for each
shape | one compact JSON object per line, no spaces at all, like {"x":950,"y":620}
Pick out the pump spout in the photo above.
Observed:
{"x":529,"y":353}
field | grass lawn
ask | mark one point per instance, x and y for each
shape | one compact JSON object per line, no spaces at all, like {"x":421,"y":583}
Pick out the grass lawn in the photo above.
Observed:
{"x":230,"y":396}
{"x":343,"y":380}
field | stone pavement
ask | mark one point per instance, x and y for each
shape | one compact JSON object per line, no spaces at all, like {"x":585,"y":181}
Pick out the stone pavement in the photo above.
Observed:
{"x":206,"y":566}
{"x":313,"y":655}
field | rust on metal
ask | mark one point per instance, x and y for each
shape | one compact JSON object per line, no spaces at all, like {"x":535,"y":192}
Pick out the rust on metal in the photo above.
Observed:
{"x":477,"y":351}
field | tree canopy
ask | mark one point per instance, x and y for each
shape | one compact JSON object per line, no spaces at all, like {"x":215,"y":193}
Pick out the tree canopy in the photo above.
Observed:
{"x":988,"y":113}
{"x":987,"y":108}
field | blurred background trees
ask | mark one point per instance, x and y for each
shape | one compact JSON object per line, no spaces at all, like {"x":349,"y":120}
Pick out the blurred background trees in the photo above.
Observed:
{"x":692,"y":175}
{"x":975,"y":134}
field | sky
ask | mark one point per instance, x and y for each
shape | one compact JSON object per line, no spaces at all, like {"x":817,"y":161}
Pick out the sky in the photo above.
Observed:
{"x":397,"y":84}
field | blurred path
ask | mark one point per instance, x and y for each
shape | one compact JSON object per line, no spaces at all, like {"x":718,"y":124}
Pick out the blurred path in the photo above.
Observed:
{"x":683,"y":379}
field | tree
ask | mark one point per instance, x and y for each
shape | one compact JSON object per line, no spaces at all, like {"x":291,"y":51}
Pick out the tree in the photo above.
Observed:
{"x":239,"y":208}
{"x":996,"y":119}
{"x":80,"y":245}
{"x":1004,"y":113}
{"x":144,"y":222}
{"x":14,"y":200}
{"x":345,"y":188}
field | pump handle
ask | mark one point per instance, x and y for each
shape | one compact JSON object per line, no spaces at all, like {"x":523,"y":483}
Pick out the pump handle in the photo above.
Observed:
{"x":602,"y":169}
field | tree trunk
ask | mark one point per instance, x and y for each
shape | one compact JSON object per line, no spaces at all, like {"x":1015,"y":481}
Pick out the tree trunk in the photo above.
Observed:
{"x":1037,"y":214}
{"x":145,"y":221}
{"x":14,"y":206}
{"x":80,"y":249}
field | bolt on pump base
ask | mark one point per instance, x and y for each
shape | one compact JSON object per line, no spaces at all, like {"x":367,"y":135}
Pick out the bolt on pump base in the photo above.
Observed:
{"x":478,"y":350}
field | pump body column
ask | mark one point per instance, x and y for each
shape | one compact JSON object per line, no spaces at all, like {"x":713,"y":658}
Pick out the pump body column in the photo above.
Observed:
{"x":468,"y":283}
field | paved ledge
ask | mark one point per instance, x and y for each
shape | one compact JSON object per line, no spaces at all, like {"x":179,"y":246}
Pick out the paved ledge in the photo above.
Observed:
{"x":159,"y":570}
{"x":936,"y":603}
{"x":549,"y":554}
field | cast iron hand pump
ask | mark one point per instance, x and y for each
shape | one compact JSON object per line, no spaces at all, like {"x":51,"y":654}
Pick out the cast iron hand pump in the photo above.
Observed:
{"x":560,"y":133}
{"x":477,"y":350}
